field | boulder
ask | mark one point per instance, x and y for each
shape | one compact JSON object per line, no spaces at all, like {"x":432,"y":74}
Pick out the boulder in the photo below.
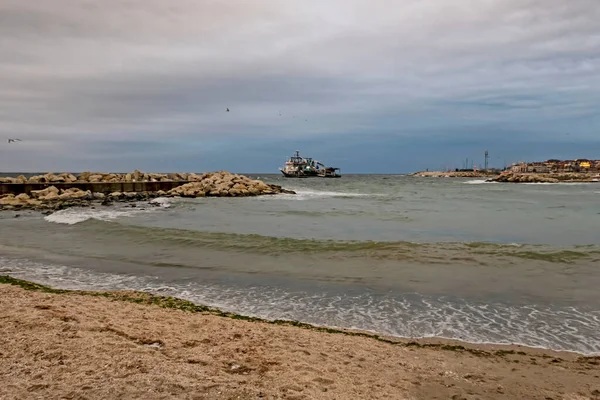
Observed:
{"x":50,"y":177}
{"x":84,"y":176}
{"x":23,"y":197}
{"x":95,"y":178}
{"x":34,"y":203}
{"x":74,"y":193}
{"x":137,"y":175}
{"x":110,"y":178}
{"x":44,"y":192}
{"x":51,"y":196}
{"x":68,"y":177}
{"x":35,"y":179}
{"x":8,"y":200}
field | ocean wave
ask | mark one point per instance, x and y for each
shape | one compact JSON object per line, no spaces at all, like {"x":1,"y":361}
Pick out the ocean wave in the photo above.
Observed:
{"x":404,"y":315}
{"x":74,"y":216}
{"x":482,"y":253}
{"x":305,"y":194}
{"x":477,"y":182}
{"x":164,"y":202}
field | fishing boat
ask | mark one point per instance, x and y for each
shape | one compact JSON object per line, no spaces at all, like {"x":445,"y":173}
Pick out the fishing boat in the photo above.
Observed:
{"x":300,"y":167}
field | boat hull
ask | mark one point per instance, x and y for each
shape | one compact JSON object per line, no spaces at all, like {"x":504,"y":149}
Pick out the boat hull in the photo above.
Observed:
{"x":303,"y":176}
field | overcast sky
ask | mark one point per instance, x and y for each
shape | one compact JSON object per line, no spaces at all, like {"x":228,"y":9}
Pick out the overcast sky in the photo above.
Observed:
{"x":366,"y":85}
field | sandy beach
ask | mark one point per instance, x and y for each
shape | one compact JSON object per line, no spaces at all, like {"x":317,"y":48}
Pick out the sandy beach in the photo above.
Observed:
{"x":58,"y":344}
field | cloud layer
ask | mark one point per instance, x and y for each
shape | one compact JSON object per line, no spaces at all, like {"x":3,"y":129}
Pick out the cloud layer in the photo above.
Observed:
{"x":112,"y":84}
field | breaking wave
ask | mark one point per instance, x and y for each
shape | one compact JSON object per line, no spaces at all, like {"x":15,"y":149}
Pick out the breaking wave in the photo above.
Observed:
{"x":408,"y":315}
{"x":72,"y":216}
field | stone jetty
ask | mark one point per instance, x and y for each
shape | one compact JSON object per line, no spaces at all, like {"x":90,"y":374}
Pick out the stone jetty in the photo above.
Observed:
{"x":57,"y":191}
{"x":566,"y":177}
{"x":453,"y":174}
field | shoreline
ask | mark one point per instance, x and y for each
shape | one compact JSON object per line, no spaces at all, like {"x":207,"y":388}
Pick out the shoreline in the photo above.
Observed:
{"x":169,"y":302}
{"x":60,"y":342}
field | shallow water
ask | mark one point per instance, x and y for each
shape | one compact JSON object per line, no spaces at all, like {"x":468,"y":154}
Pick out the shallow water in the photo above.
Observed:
{"x":400,"y":255}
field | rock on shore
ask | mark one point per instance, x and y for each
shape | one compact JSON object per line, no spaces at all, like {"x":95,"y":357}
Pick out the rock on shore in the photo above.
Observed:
{"x":544,"y":178}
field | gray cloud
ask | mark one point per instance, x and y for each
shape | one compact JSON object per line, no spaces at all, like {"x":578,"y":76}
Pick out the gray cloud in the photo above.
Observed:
{"x":78,"y":76}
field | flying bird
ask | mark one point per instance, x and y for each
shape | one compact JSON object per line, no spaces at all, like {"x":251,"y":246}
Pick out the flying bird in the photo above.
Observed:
{"x":13,"y":140}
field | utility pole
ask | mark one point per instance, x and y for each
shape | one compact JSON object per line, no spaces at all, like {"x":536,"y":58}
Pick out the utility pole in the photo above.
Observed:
{"x":486,"y":160}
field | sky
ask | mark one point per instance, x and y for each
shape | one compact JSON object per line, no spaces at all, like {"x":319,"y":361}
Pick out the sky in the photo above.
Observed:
{"x":371,"y":86}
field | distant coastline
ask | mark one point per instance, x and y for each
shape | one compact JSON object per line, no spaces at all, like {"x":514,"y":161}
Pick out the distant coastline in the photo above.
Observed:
{"x":549,"y":171}
{"x":455,"y":174}
{"x":516,"y":177}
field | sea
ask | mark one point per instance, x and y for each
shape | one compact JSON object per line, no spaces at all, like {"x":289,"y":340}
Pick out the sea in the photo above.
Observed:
{"x":397,"y":255}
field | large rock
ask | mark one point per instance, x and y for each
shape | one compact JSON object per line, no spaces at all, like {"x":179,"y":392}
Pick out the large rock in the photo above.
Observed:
{"x":23,"y":197}
{"x":74,"y":193}
{"x":95,"y":178}
{"x":84,"y":176}
{"x":44,"y":192}
{"x":52,"y":196}
{"x":7,"y":179}
{"x":50,"y":178}
{"x":8,"y":199}
{"x":35,"y":179}
{"x":137,"y":176}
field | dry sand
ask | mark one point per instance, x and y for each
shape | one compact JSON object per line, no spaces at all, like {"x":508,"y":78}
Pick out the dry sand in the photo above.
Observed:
{"x":71,"y":346}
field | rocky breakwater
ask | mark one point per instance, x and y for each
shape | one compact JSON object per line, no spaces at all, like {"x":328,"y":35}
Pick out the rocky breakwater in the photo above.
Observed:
{"x":49,"y":198}
{"x":97,"y":177}
{"x":225,"y":184}
{"x":453,"y":174}
{"x":216,"y":184}
{"x":512,"y":177}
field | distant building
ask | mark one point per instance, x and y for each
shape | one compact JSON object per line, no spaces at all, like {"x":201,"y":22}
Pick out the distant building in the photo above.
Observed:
{"x":557,"y":166}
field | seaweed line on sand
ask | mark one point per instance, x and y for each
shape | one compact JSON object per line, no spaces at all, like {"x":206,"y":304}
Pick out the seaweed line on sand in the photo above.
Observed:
{"x":146,"y":298}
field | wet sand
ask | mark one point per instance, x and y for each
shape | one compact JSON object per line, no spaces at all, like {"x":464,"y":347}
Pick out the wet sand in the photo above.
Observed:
{"x":82,"y":346}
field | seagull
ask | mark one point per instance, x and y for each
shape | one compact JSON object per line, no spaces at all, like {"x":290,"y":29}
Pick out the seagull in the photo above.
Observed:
{"x":13,"y":140}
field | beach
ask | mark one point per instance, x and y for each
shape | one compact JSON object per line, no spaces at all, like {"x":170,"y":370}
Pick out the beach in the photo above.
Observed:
{"x":117,"y":345}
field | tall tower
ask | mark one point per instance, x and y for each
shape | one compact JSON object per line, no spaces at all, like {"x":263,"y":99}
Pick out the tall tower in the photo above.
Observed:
{"x":486,"y":160}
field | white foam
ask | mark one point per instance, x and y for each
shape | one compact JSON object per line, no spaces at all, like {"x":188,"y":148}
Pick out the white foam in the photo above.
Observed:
{"x":303,"y":194}
{"x":73,"y":216}
{"x":408,"y":316}
{"x":162,"y":201}
{"x":477,"y":182}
